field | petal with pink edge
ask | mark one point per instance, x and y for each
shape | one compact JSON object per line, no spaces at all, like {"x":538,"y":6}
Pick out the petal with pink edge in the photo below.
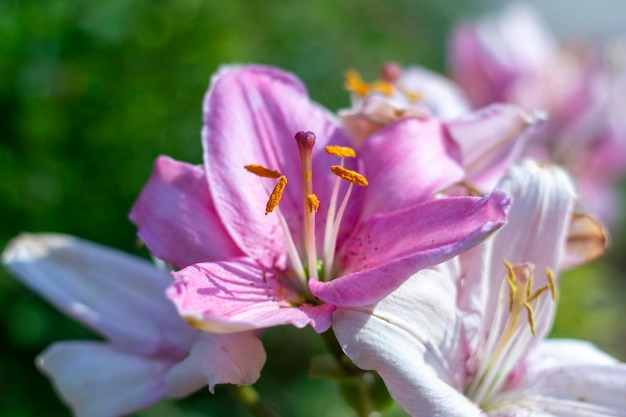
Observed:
{"x":490,"y":141}
{"x":118,"y":295}
{"x":217,"y":359}
{"x":251,"y":114}
{"x":406,"y":163}
{"x":389,"y":248}
{"x":97,"y":380}
{"x":176,"y":218}
{"x":237,"y":295}
{"x":419,"y":355}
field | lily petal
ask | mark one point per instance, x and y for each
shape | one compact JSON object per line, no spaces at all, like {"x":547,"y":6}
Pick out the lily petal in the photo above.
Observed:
{"x":573,"y":378}
{"x":176,"y":218}
{"x":217,"y":359}
{"x":251,"y":115}
{"x":490,"y":141}
{"x":441,"y":97}
{"x":406,"y":163}
{"x":97,"y":380}
{"x":543,"y":200}
{"x":388,"y":248}
{"x":419,"y":355}
{"x":118,"y":295}
{"x":237,"y":295}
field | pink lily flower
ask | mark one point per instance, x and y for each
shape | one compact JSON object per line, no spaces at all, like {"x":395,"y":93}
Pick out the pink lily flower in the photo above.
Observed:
{"x":489,"y":140}
{"x":149,"y":353}
{"x":512,"y":58}
{"x":292,"y":245}
{"x":466,"y":338}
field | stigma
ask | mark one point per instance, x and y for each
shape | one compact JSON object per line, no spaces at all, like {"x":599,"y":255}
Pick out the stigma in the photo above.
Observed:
{"x":304,"y":260}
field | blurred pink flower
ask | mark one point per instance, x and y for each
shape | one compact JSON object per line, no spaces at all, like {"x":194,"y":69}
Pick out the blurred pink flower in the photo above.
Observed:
{"x":150,"y":353}
{"x":465,"y":338}
{"x":248,"y":245}
{"x":489,"y":140}
{"x":512,"y":58}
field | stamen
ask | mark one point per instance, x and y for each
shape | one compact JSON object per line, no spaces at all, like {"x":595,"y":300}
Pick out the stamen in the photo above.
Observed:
{"x":355,"y":84}
{"x":341,"y":151}
{"x":349,"y":175}
{"x":380,"y":86}
{"x":261,"y":171}
{"x":552,"y":284}
{"x":313,"y":203}
{"x":277,"y":194}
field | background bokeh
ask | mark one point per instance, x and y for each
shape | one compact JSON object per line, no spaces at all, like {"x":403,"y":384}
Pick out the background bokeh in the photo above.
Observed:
{"x":90,"y":94}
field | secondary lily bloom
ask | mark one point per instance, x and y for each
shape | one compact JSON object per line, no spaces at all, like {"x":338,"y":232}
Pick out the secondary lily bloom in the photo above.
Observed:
{"x":280,"y":226}
{"x":150,"y":353}
{"x":512,"y":58}
{"x":465,"y":338}
{"x":489,"y":140}
{"x":400,"y":92}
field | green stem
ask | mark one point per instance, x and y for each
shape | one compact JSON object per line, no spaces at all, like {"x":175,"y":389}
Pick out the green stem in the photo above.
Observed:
{"x":250,"y":399}
{"x":333,"y":346}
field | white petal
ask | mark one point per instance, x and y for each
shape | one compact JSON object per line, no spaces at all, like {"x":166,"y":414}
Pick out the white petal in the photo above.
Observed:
{"x":97,"y":380}
{"x":410,"y":339}
{"x":217,"y":359}
{"x":118,"y":295}
{"x":543,"y":199}
{"x":572,"y":378}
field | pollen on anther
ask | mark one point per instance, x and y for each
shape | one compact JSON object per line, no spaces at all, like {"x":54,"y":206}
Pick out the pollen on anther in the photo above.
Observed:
{"x":313,"y":202}
{"x":552,"y":284}
{"x":349,"y":175}
{"x":261,"y":171}
{"x":341,"y":151}
{"x":276,"y":195}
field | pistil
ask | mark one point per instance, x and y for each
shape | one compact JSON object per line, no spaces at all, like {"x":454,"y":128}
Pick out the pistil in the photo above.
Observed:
{"x":305,"y":141}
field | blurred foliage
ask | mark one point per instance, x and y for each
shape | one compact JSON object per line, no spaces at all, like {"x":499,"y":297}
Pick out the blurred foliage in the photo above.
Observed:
{"x":92,"y":92}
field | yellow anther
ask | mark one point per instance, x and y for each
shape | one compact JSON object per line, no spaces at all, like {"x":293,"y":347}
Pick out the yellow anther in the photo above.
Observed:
{"x":510,"y":279}
{"x":355,"y":84}
{"x":341,"y":151}
{"x":413,"y":96}
{"x":531,"y":317}
{"x":313,"y":202}
{"x":261,"y":171}
{"x":276,"y":195}
{"x":349,"y":175}
{"x":552,"y":284}
{"x":380,"y":86}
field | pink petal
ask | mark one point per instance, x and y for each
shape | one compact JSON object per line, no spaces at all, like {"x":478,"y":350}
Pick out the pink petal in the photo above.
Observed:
{"x":118,"y":295}
{"x":406,"y":163}
{"x":490,"y":141}
{"x":237,"y":295}
{"x":217,"y":359}
{"x":176,"y":217}
{"x":389,"y":248}
{"x":251,"y":115}
{"x":97,"y":380}
{"x":418,"y":355}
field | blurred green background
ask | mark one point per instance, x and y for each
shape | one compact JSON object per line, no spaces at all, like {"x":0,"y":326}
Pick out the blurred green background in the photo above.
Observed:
{"x":90,"y":94}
